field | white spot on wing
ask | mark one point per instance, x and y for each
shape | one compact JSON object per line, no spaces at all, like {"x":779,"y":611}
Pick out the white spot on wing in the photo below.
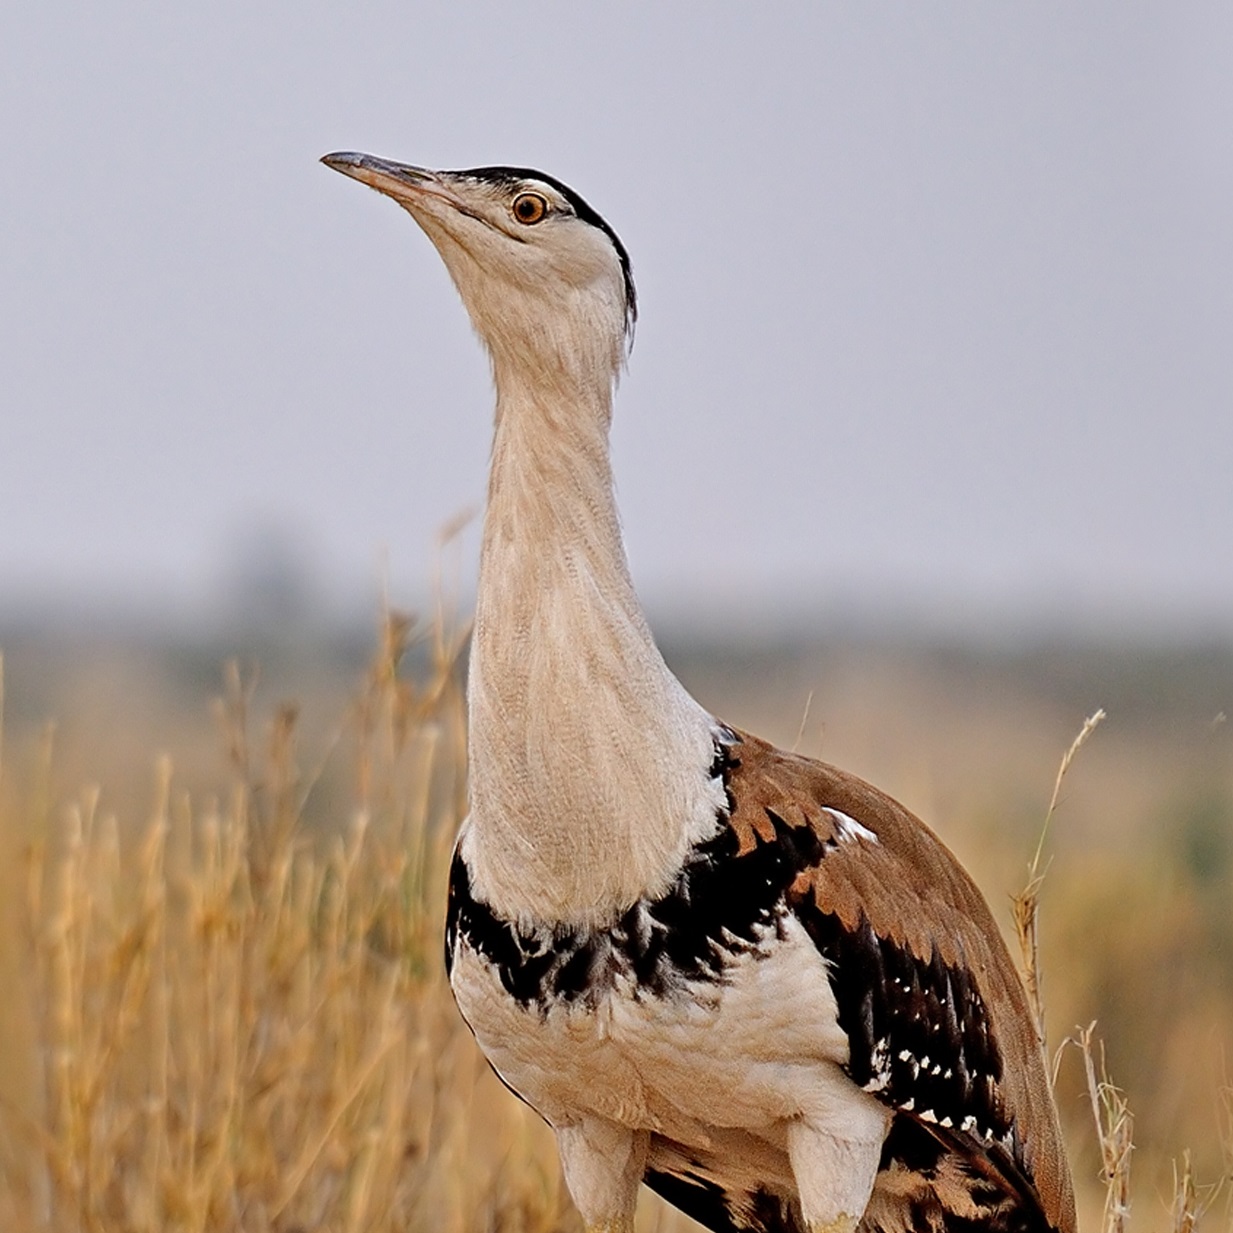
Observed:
{"x":848,"y":829}
{"x":879,"y":1064}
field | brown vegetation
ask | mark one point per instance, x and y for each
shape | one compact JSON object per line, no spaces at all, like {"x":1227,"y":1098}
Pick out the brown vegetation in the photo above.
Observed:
{"x":230,"y":1014}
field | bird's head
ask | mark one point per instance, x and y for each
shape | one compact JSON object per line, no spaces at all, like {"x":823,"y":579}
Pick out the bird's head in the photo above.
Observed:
{"x":545,"y":279}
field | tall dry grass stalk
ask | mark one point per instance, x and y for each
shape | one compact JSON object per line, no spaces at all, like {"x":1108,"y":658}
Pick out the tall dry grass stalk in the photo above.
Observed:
{"x":1025,"y":906}
{"x":1112,"y":1117}
{"x":1114,"y":1123}
{"x":1114,"y":1132}
{"x":242,"y":1025}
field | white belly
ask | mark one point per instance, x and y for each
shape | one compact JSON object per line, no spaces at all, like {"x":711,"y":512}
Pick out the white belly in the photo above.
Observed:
{"x":712,"y":1060}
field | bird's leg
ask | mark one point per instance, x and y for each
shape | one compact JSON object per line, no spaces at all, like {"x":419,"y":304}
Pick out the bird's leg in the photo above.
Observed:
{"x":835,"y":1167}
{"x":603,"y":1164}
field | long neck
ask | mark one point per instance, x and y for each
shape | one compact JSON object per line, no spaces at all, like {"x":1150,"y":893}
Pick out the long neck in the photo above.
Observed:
{"x":588,"y":758}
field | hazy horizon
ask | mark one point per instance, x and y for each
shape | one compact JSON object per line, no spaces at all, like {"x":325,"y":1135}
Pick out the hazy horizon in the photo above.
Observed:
{"x":937,"y":305}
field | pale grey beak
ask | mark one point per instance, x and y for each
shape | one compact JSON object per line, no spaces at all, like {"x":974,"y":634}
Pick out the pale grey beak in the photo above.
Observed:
{"x":397,"y":180}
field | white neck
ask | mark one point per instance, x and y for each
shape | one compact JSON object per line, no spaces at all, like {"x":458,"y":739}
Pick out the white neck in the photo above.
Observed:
{"x":588,"y":758}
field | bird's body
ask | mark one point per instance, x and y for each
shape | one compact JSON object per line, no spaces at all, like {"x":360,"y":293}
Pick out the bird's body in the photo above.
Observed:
{"x":747,"y":978}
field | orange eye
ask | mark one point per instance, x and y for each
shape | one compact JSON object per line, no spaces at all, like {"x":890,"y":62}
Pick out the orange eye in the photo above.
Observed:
{"x":529,"y":208}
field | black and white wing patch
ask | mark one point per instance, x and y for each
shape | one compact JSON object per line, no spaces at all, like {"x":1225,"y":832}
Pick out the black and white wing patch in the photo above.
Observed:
{"x":918,"y":1029}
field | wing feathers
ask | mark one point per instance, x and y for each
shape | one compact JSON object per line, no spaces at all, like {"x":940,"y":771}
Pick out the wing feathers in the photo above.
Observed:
{"x":928,"y":996}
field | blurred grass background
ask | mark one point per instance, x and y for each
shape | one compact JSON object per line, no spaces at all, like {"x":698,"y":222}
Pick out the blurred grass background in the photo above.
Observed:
{"x":221,"y":895}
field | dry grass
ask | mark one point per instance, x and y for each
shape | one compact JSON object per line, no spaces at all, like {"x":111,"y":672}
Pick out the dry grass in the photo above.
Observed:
{"x":227,"y":1016}
{"x":1115,"y":1133}
{"x":1025,"y":906}
{"x":1112,"y":1118}
{"x":242,"y":1026}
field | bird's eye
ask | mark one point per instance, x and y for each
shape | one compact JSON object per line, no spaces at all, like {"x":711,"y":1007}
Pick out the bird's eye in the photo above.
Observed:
{"x":529,"y":208}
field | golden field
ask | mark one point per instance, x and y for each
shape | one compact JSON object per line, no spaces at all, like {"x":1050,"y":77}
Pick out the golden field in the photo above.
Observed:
{"x":221,"y":895}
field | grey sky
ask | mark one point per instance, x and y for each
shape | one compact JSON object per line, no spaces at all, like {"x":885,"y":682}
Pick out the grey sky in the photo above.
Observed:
{"x":937,"y":300}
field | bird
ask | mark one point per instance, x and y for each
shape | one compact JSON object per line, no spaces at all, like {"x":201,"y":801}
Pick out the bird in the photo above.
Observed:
{"x":743,"y":977}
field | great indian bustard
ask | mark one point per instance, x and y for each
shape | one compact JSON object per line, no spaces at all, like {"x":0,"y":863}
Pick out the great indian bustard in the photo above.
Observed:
{"x":744,"y":977}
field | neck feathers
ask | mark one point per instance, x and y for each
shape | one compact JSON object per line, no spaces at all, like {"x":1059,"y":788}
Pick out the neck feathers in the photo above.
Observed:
{"x":558,"y":358}
{"x":588,"y":758}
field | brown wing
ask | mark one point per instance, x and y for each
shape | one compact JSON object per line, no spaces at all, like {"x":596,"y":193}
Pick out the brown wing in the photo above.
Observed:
{"x":933,"y":1007}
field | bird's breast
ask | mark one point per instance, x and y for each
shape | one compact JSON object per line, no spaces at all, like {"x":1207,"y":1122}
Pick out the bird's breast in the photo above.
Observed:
{"x":707,"y":1008}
